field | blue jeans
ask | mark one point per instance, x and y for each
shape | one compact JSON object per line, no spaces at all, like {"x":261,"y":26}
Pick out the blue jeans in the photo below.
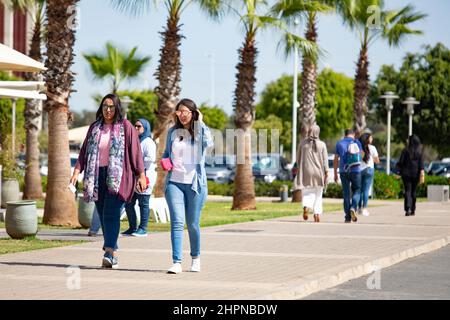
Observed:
{"x":95,"y":222}
{"x":351,"y":183}
{"x":109,"y":207}
{"x":184,"y":203}
{"x":366,"y":183}
{"x":144,"y":206}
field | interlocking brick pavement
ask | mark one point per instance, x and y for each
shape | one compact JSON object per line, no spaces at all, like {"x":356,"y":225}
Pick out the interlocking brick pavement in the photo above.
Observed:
{"x":282,"y":258}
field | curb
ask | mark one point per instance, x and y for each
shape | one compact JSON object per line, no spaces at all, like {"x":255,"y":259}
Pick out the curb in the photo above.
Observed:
{"x":321,"y":281}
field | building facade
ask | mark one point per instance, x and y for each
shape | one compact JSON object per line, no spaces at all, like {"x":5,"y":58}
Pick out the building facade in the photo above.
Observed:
{"x":16,"y":28}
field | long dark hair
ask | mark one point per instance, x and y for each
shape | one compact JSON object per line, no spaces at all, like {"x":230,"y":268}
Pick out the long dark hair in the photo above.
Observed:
{"x":118,"y":115}
{"x":414,"y":147}
{"x":188,"y":103}
{"x":364,"y":139}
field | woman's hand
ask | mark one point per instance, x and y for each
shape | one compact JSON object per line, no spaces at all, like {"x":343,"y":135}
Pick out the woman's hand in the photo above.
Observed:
{"x":74,"y":178}
{"x":141,"y":183}
{"x":422,"y":177}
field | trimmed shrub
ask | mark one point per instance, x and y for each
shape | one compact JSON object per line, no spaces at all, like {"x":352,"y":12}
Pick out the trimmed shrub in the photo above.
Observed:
{"x":334,"y":190}
{"x":387,"y":186}
{"x":431,"y":180}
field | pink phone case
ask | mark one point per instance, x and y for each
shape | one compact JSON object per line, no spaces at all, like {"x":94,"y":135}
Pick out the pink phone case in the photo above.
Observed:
{"x":166,"y":164}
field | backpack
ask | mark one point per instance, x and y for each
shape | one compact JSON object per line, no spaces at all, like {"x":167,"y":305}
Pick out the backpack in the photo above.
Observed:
{"x":352,"y":156}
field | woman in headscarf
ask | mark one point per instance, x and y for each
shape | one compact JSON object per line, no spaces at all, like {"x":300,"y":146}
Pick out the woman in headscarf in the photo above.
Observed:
{"x":111,"y":159}
{"x":148,"y":148}
{"x":312,"y":159}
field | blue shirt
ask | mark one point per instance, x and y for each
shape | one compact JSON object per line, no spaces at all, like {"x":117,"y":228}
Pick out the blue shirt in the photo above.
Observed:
{"x":341,"y":150}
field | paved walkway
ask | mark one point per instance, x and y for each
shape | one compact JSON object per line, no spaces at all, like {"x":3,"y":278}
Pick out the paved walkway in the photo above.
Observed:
{"x":283,"y":258}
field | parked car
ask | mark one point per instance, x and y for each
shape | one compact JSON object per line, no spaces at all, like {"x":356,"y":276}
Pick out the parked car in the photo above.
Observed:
{"x":268,"y":168}
{"x":382,"y":165}
{"x":219,"y":168}
{"x":73,"y":160}
{"x":443,"y":171}
{"x":434,"y":167}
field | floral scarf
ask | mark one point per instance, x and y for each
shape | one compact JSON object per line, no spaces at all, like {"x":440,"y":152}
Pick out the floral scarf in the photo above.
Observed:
{"x":115,"y":165}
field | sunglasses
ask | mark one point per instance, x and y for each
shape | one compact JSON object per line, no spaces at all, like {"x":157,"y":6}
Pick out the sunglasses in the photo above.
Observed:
{"x":137,"y":126}
{"x":106,"y":107}
{"x":184,"y":112}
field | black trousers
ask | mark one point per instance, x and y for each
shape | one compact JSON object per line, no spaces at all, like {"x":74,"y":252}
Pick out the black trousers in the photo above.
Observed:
{"x":410,"y":185}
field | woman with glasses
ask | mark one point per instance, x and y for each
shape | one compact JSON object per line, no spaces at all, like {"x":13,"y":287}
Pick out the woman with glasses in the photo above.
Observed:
{"x":186,"y":187}
{"x":148,"y":148}
{"x":111,"y":159}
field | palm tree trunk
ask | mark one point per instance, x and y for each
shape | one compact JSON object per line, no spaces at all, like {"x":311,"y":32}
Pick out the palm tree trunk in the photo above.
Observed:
{"x":244,"y":188}
{"x":60,"y":208}
{"x":361,"y":91}
{"x":309,"y":90}
{"x":32,"y":113}
{"x":309,"y":82}
{"x":168,"y":91}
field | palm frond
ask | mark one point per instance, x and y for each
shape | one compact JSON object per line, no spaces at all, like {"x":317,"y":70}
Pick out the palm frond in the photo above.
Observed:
{"x":134,"y":8}
{"x":397,"y":23}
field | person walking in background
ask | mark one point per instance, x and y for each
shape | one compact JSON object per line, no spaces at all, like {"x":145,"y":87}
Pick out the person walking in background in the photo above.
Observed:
{"x":148,"y":148}
{"x":312,"y":159}
{"x":348,"y":158}
{"x":186,"y":188}
{"x":95,"y":224}
{"x":111,"y":159}
{"x":411,"y":169}
{"x":370,"y":157}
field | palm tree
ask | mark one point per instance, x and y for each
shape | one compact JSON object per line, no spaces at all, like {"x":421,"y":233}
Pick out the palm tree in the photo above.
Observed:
{"x":116,"y":64}
{"x":32,"y":112}
{"x":244,"y":95}
{"x":305,"y":10}
{"x":393,"y":26}
{"x":60,"y":208}
{"x":169,"y":69}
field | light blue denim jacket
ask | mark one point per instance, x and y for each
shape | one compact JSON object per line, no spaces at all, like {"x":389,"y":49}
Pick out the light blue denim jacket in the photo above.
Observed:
{"x":202,"y":141}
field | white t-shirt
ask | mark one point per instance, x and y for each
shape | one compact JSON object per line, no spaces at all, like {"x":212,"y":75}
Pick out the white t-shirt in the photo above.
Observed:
{"x":184,"y":163}
{"x":148,"y":148}
{"x":373,"y":153}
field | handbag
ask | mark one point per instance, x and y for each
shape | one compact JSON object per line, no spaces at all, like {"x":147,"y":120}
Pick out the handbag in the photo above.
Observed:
{"x":166,"y":164}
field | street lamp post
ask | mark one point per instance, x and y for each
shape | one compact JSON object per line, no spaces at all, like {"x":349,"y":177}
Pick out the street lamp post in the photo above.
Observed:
{"x":410,"y":102}
{"x":295,"y":103}
{"x":126,"y":101}
{"x":390,"y":97}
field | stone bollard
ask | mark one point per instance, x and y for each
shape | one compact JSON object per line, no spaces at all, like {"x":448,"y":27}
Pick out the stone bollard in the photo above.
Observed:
{"x":284,"y":193}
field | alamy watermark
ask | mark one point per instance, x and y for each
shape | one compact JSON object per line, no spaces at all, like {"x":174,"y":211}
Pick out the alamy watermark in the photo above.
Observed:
{"x":73,"y":282}
{"x":374,"y":280}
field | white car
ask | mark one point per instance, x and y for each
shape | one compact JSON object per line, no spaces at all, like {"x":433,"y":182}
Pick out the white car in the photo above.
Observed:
{"x":331,"y":169}
{"x":73,"y":161}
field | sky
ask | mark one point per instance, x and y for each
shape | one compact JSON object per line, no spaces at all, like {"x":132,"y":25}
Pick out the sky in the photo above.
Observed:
{"x":209,"y":50}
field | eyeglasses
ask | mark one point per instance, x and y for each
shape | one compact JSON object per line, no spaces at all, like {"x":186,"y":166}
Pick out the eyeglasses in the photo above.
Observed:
{"x":184,"y":112}
{"x":137,"y":126}
{"x":106,"y":107}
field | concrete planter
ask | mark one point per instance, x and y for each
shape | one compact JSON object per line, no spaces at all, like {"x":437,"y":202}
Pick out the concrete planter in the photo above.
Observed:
{"x":21,"y":219}
{"x":10,"y":191}
{"x":85,"y":212}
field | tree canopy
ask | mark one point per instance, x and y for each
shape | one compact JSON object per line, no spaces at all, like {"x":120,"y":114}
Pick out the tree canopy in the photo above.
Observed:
{"x":334,"y":103}
{"x":424,"y":76}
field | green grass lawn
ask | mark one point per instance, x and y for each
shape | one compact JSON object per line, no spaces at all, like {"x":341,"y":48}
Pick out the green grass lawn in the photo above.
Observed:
{"x":31,"y":243}
{"x":219,"y":213}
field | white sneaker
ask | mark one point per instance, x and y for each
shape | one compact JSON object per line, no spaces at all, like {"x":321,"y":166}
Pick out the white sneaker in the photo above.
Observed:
{"x":360,"y":211}
{"x":365,"y":213}
{"x":175,"y":269}
{"x":195,"y":266}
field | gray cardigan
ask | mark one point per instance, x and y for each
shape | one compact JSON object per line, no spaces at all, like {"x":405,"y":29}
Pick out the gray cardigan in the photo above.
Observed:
{"x":312,"y":166}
